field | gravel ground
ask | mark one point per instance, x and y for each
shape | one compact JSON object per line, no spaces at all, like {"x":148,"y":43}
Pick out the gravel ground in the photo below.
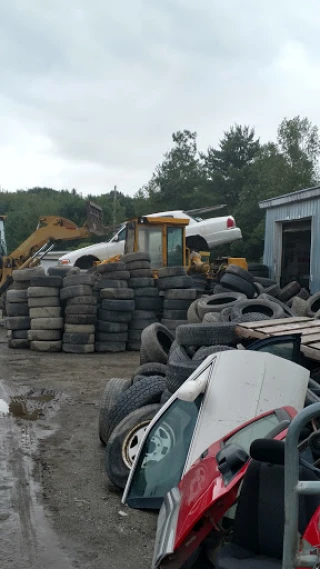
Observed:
{"x":67,"y":514}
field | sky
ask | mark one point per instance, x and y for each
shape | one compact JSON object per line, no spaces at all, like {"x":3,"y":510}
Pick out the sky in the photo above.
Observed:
{"x":91,"y":91}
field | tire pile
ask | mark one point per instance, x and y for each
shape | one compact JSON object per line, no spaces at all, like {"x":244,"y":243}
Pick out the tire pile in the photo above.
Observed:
{"x":115,"y":307}
{"x":176,"y":287}
{"x":146,"y":295}
{"x":17,"y":321}
{"x":46,"y":318}
{"x":80,"y":313}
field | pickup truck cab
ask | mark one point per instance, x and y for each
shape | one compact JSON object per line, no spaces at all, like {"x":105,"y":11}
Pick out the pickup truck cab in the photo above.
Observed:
{"x":213,"y":232}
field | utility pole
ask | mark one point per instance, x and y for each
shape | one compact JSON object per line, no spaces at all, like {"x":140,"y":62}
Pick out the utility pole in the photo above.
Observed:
{"x":114,"y":220}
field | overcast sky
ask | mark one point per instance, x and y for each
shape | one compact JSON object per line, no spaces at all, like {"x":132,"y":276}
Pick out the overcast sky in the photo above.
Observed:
{"x":91,"y":91}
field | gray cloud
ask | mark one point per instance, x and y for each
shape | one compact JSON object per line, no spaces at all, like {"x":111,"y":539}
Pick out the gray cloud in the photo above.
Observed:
{"x":91,"y":91}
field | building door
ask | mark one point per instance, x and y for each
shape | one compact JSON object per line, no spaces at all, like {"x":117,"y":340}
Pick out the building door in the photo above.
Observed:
{"x":296,"y":247}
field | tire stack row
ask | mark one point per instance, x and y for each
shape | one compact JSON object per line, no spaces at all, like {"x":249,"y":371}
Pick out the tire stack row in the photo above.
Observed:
{"x":17,"y":309}
{"x":115,"y":308}
{"x":80,"y":314}
{"x":176,"y":287}
{"x":45,"y":314}
{"x":148,"y":305}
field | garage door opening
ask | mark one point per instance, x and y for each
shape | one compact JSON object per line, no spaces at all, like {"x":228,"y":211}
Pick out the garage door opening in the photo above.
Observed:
{"x":296,"y":246}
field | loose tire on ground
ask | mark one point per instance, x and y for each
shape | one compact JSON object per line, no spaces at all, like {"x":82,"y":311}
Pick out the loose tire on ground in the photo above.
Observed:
{"x":115,"y":386}
{"x":206,"y":334}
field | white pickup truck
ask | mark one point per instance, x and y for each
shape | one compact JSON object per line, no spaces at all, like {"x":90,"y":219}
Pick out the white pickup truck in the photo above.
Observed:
{"x":215,"y":231}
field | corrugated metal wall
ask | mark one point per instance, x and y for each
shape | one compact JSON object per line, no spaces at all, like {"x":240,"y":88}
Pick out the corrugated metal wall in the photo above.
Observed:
{"x":273,"y":236}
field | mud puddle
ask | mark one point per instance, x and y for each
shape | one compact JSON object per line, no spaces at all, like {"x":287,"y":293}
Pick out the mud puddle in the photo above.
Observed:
{"x":26,"y":538}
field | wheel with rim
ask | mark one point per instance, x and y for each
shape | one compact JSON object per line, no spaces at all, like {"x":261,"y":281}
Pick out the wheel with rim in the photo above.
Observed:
{"x":125,"y":441}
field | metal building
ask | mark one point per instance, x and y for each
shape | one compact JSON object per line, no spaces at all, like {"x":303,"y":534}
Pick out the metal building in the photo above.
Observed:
{"x":292,"y":238}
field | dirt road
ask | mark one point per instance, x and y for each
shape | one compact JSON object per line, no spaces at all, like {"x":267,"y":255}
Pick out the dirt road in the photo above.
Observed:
{"x":57,"y":509}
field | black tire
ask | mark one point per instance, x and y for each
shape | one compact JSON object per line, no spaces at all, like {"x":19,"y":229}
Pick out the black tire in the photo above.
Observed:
{"x":109,"y":283}
{"x":171,"y":272}
{"x":299,"y":306}
{"x":156,"y":341}
{"x":80,"y":318}
{"x":143,"y":315}
{"x":205,"y":351}
{"x":27,"y":274}
{"x":141,"y":273}
{"x":44,"y":312}
{"x":118,"y":275}
{"x":111,"y":394}
{"x":141,"y":324}
{"x":285,"y":308}
{"x":114,"y":347}
{"x":252,"y":317}
{"x":138,"y":256}
{"x":166,"y":395}
{"x":170,"y":304}
{"x":79,"y":328}
{"x":119,"y":305}
{"x":135,"y":336}
{"x":60,"y":271}
{"x":169,"y":314}
{"x":304,"y":294}
{"x":19,"y":344}
{"x":44,"y":335}
{"x":17,"y":309}
{"x":272,"y":290}
{"x":212,"y":317}
{"x":240,"y":272}
{"x":146,"y":292}
{"x":180,"y":294}
{"x":17,"y":323}
{"x":218,"y":302}
{"x":140,"y":393}
{"x":265,"y":282}
{"x":78,"y":338}
{"x":258,"y":268}
{"x":154,"y":304}
{"x":103,"y":326}
{"x":206,"y":334}
{"x":107,"y":268}
{"x":175,"y":282}
{"x":173,"y":324}
{"x":150,"y":369}
{"x":45,"y":302}
{"x":42,"y":291}
{"x":76,"y":280}
{"x":178,"y":372}
{"x":55,"y":282}
{"x":20,"y":285}
{"x":134,"y":265}
{"x":78,"y":348}
{"x":233,"y":282}
{"x":261,"y":306}
{"x":82,"y":300}
{"x":133,"y":346}
{"x":141,"y":282}
{"x":225,"y":315}
{"x":72,"y":291}
{"x":117,"y":294}
{"x":289,"y":291}
{"x":116,"y":454}
{"x":112,"y":336}
{"x":218,"y":288}
{"x":114,"y":316}
{"x":193,"y":315}
{"x":313,"y":304}
{"x":46,"y":345}
{"x":20,"y":334}
{"x":79,"y":309}
{"x":46,"y":323}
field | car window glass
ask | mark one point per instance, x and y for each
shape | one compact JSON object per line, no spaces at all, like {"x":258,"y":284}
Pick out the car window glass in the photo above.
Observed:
{"x":284,"y":350}
{"x":256,"y":430}
{"x":165,"y":451}
{"x":122,"y":234}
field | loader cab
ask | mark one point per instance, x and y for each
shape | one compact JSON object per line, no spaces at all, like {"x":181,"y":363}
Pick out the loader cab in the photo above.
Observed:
{"x":162,"y":238}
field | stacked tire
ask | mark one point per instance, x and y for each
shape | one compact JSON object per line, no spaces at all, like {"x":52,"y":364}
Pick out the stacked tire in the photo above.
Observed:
{"x":239,"y":280}
{"x":17,"y":321}
{"x":148,"y":305}
{"x":176,"y":287}
{"x":114,"y":314}
{"x":45,"y":312}
{"x":80,"y":314}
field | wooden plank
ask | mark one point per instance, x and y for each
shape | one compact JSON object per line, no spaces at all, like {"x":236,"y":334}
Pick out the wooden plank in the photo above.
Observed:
{"x":310,"y":338}
{"x":314,"y":345}
{"x":247,"y":333}
{"x":273,"y":330}
{"x":311,"y":353}
{"x":262,"y":323}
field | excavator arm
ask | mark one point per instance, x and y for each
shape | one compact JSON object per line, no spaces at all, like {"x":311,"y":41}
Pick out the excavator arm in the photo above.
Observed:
{"x":50,"y":228}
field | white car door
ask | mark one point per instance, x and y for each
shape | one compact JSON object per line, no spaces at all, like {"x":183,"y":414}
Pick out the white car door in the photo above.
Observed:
{"x":117,"y":243}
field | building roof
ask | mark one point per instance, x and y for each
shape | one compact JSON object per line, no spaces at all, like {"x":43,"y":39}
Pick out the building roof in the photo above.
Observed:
{"x":299,"y":195}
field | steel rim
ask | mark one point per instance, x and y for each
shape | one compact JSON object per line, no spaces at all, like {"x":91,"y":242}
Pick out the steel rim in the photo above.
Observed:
{"x":161,"y":443}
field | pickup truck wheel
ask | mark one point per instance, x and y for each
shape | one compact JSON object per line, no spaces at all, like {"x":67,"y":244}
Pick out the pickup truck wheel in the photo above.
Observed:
{"x":125,"y":441}
{"x":114,"y":387}
{"x":140,"y":393}
{"x":263,"y":307}
{"x":206,"y":334}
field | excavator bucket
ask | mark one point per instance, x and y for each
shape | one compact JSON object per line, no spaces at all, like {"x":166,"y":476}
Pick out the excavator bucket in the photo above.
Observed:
{"x":94,"y":219}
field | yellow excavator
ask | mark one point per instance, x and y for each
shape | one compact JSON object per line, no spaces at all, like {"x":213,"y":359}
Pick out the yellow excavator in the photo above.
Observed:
{"x":50,"y":228}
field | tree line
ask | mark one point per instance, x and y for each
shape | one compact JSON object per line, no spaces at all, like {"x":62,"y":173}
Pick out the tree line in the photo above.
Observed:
{"x":240,"y":172}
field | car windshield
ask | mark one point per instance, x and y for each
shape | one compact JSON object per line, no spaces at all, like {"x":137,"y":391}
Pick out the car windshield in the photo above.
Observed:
{"x":255,"y":430}
{"x":164,"y":454}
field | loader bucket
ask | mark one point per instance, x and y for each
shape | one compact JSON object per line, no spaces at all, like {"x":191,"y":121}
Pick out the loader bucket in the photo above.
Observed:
{"x":94,"y":219}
